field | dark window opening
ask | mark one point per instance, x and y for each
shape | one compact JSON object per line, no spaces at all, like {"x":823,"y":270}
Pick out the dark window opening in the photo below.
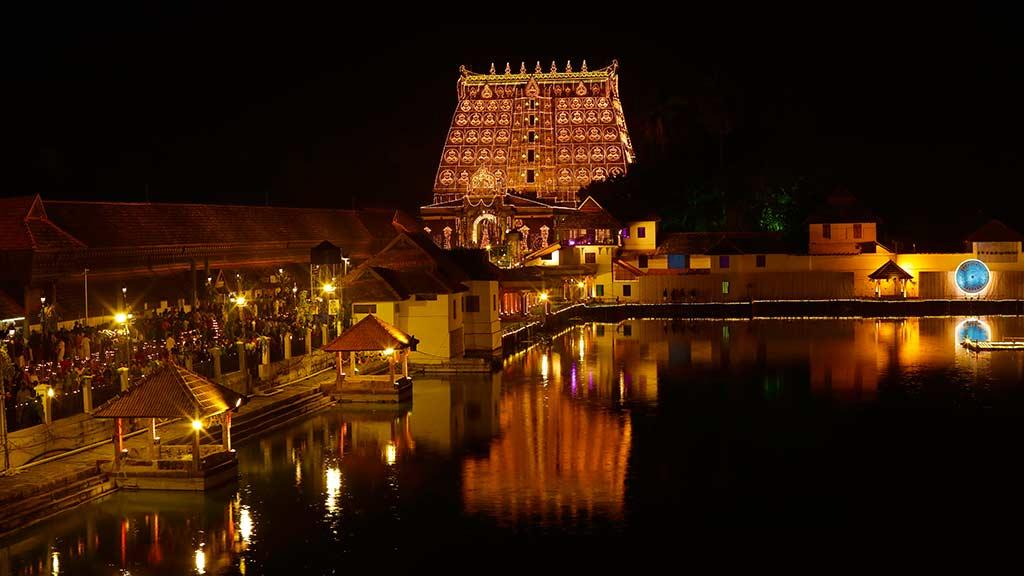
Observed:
{"x":590,"y":258}
{"x":599,"y":289}
{"x":641,"y":261}
{"x":858,"y":230}
{"x":530,"y":176}
{"x":641,"y":232}
{"x":826,"y":231}
{"x":531,"y":136}
{"x":723,"y":261}
{"x":531,"y":155}
{"x":627,"y":290}
{"x":472,"y":303}
{"x":761,"y":261}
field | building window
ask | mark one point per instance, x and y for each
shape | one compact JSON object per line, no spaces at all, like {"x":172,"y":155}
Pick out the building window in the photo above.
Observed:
{"x":590,"y":258}
{"x":678,"y":261}
{"x":858,"y":230}
{"x":531,"y":155}
{"x":364,"y":308}
{"x":627,"y":329}
{"x":627,"y":290}
{"x":472,"y":303}
{"x":761,"y":261}
{"x":548,"y":256}
{"x":600,"y":330}
{"x":641,"y":232}
{"x":531,"y":136}
{"x":723,"y":261}
{"x":533,"y":104}
{"x":725,"y":286}
{"x":529,"y":176}
{"x":826,"y":231}
{"x":641,"y":261}
{"x":599,"y":290}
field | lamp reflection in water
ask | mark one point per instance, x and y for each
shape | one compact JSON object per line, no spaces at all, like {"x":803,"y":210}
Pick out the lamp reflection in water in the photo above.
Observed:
{"x":55,"y":563}
{"x":544,"y":368}
{"x":200,"y":560}
{"x":390,"y":453}
{"x":245,"y":524}
{"x":974,"y":328}
{"x":333,"y":488}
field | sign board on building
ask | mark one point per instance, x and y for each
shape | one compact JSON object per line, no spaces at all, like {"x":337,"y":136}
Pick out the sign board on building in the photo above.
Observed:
{"x":334,"y":306}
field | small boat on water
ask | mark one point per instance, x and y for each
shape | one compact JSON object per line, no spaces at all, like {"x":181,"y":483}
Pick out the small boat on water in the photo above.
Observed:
{"x":993,"y":346}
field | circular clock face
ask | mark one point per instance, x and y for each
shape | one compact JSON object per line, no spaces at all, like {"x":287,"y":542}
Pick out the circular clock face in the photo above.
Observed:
{"x":972,"y":276}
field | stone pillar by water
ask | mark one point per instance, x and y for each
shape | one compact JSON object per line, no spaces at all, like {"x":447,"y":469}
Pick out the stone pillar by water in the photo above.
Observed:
{"x":215,"y":354}
{"x":323,"y":341}
{"x":241,"y":356}
{"x":122,"y":374}
{"x":286,"y":341}
{"x":309,"y":341}
{"x":87,"y":394}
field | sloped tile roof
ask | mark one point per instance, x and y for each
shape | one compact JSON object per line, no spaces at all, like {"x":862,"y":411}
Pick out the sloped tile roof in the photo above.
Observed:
{"x":170,"y":392}
{"x":994,"y":231}
{"x":890,"y":270}
{"x":133,"y":225}
{"x":370,"y":333}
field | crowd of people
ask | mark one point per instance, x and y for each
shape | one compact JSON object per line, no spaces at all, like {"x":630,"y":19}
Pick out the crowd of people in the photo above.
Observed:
{"x":62,"y":359}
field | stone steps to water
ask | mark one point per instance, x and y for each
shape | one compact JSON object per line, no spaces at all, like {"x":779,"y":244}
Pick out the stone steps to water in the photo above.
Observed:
{"x":78,"y":489}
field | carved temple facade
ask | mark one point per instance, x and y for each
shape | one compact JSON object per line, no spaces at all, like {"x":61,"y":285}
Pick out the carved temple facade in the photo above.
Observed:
{"x":520,"y":147}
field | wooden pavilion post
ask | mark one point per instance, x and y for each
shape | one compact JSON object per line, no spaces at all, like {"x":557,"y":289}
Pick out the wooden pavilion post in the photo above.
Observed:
{"x":118,"y":441}
{"x":405,"y":362}
{"x":391,"y":366}
{"x":154,"y":439}
{"x":352,"y":359}
{"x":226,"y":431}
{"x":195,"y":449}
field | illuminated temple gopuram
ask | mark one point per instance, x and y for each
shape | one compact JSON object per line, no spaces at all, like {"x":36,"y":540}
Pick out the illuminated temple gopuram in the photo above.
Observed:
{"x":520,"y":147}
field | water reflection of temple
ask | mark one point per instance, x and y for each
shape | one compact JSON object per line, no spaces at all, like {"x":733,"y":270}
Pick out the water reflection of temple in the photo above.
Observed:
{"x":555,"y":459}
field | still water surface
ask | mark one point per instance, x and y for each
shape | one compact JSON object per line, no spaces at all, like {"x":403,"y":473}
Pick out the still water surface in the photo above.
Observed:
{"x":647,"y":436}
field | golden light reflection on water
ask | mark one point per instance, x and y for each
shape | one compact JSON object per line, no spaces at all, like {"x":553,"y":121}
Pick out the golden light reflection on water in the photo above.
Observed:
{"x":333,"y":486}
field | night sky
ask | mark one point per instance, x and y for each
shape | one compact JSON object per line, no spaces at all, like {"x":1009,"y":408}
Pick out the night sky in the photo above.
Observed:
{"x":917,"y":113}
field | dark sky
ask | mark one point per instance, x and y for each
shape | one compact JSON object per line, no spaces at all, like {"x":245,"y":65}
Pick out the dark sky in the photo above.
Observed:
{"x":917,"y":112}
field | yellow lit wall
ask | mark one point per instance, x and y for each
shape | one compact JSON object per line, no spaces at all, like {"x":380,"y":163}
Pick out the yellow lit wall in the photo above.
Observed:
{"x":648,"y":242}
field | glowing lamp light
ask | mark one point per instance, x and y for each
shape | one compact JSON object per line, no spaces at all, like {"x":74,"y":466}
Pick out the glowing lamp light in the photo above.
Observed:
{"x":581,"y":284}
{"x":329,"y":288}
{"x":389,"y":351}
{"x":543,"y":296}
{"x":240,"y":301}
{"x":197,"y":425}
{"x":238,"y":403}
{"x":390,"y":453}
{"x":120,"y":317}
{"x":50,"y":392}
